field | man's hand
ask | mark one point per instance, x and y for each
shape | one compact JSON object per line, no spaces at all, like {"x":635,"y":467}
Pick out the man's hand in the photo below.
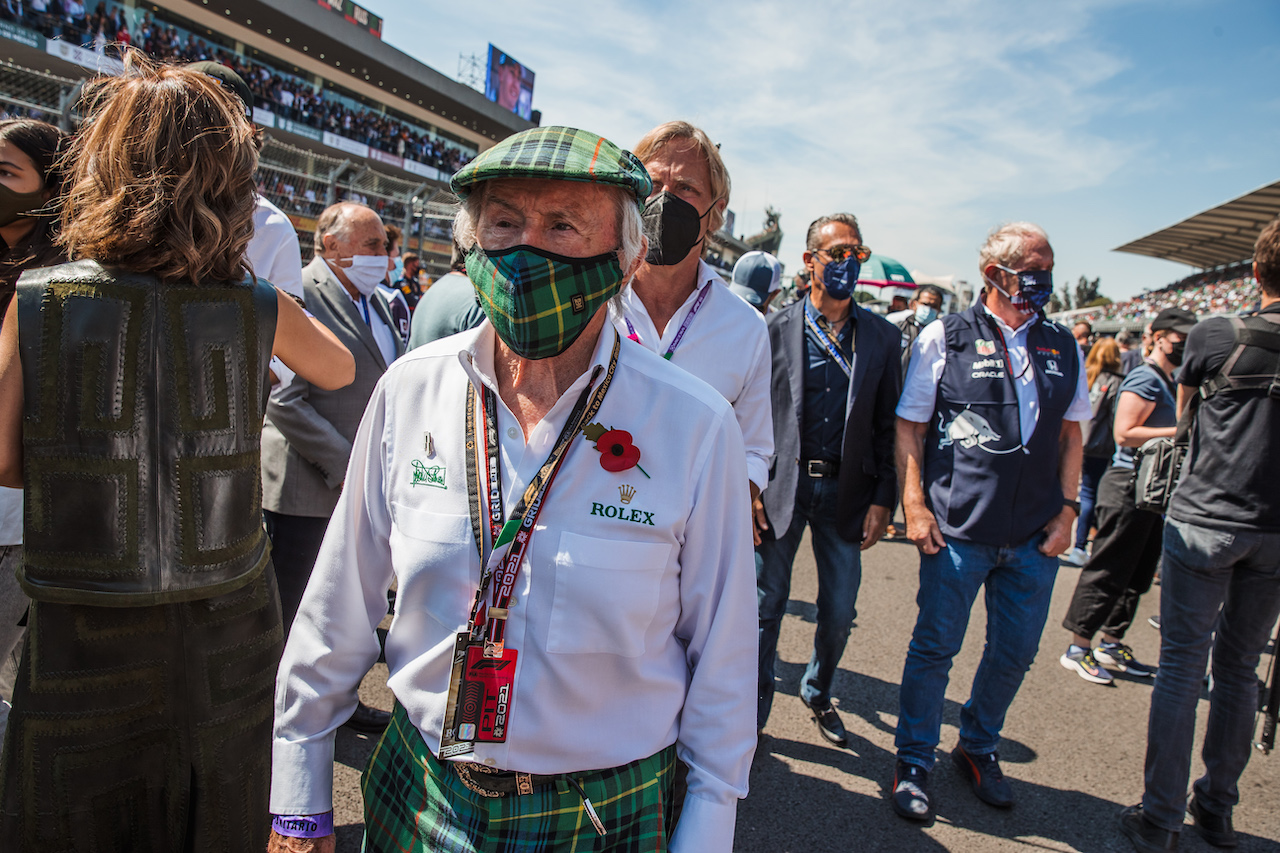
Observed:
{"x":1057,"y":533}
{"x":284,"y":844}
{"x":922,"y":528}
{"x":759,"y":523}
{"x":874,"y":525}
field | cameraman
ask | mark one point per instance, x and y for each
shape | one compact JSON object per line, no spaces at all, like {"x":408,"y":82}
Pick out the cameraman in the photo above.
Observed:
{"x":1221,"y":580}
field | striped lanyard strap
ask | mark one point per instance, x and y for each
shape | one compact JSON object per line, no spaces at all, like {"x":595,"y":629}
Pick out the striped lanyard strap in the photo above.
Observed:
{"x":832,"y":348}
{"x":517,"y":531}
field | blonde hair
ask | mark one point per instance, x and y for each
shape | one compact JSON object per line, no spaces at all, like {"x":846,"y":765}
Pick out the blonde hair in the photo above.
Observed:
{"x":655,"y":140}
{"x":1104,"y":355}
{"x":161,"y":176}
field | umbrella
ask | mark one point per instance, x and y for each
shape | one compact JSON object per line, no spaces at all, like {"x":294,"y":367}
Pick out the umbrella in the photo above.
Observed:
{"x":879,"y":271}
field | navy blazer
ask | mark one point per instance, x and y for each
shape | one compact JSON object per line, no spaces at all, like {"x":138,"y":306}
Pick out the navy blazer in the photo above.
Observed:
{"x":867,"y":473}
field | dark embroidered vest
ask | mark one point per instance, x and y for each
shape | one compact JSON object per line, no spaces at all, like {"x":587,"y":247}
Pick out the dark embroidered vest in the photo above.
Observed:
{"x":983,"y":483}
{"x":143,"y":418}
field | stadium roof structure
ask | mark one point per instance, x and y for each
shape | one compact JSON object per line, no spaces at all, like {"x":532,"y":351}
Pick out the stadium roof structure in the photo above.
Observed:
{"x":1221,"y":235}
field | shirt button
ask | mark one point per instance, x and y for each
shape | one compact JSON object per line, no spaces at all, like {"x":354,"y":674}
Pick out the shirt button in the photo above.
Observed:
{"x":512,"y":432}
{"x":490,"y":762}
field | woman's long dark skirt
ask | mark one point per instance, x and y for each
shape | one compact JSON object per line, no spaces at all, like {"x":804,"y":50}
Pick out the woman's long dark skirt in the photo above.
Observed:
{"x":144,"y":728}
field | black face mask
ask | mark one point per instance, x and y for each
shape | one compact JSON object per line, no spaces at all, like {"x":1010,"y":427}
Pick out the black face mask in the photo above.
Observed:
{"x":673,"y":227}
{"x":1175,"y":353}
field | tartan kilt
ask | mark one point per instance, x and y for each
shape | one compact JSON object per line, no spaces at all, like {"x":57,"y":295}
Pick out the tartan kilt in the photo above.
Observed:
{"x":412,"y":801}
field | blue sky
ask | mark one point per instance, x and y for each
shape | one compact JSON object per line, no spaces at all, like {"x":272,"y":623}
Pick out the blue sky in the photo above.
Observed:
{"x":933,"y":122}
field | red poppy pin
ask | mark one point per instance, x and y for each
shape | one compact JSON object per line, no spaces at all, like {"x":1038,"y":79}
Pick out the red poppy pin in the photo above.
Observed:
{"x":617,"y":453}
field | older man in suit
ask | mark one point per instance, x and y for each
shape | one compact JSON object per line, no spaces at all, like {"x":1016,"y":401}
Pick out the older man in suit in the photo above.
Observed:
{"x":836,"y":380}
{"x":306,"y":441}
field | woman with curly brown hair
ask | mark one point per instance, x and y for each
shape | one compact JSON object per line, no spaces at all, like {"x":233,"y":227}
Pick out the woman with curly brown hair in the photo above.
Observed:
{"x":132,"y":388}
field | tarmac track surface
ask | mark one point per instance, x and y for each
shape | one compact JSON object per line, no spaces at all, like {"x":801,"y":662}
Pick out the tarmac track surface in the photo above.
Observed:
{"x":1073,"y":750}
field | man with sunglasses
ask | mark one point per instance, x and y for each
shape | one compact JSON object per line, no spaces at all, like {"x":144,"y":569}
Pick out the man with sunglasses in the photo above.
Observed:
{"x":992,"y":404}
{"x":835,"y":381}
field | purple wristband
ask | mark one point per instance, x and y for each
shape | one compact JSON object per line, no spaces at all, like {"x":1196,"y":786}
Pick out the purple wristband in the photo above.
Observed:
{"x":303,"y":826}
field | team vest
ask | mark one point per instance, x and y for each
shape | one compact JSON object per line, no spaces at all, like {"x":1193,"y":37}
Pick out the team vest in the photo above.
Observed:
{"x":982,"y":484}
{"x":143,"y":406}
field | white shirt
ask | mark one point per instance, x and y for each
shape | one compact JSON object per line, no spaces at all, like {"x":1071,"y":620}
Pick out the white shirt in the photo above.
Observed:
{"x":631,"y":636}
{"x":10,"y":516}
{"x":726,"y":346}
{"x":383,"y":334}
{"x":273,"y":251}
{"x":920,"y":389}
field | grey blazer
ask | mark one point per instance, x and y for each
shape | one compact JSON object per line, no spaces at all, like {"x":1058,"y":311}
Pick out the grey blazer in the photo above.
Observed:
{"x":306,"y":438}
{"x":867,"y":473}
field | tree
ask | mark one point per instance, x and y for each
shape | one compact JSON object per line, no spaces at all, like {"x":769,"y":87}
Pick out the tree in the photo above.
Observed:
{"x":1087,"y":291}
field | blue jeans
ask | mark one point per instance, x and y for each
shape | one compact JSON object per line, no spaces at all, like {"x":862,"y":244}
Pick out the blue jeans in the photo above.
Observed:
{"x":1019,"y":585}
{"x":1220,"y":592}
{"x":1090,"y":475}
{"x":839,"y":576}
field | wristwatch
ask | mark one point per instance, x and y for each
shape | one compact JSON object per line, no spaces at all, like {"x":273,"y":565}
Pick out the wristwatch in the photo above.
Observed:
{"x":1075,"y":505}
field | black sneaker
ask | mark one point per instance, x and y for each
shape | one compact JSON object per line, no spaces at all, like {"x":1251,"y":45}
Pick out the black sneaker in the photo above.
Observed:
{"x":985,"y":777}
{"x":1120,"y":657}
{"x":829,"y":724}
{"x":1145,"y":835}
{"x":910,"y":795}
{"x":1216,"y":829}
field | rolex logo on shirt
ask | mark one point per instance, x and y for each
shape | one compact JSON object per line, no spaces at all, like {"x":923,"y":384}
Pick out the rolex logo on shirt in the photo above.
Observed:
{"x":626,"y":493}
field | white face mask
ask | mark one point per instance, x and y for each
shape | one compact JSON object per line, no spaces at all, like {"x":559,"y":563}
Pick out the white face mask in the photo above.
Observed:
{"x":925,"y":315}
{"x":366,"y":272}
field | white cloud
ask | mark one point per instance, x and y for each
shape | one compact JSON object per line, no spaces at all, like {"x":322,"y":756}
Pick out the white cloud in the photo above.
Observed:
{"x":932,"y":122}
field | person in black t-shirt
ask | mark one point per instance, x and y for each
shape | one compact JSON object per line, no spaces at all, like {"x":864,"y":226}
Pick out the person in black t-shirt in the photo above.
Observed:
{"x":1220,"y":589}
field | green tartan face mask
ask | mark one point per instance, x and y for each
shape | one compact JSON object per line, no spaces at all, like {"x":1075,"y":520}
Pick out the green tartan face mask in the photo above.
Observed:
{"x":538,"y":302}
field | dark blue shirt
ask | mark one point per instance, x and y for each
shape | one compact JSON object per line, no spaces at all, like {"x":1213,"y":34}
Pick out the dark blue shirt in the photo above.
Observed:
{"x":1149,"y":383}
{"x":826,"y":392}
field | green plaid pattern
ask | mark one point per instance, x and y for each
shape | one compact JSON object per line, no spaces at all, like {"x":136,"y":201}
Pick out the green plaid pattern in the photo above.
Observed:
{"x":414,"y":802}
{"x":530,"y":297}
{"x":560,"y":153}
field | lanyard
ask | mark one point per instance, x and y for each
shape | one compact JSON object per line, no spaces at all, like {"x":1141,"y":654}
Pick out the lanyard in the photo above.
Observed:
{"x":517,"y":531}
{"x":364,"y":306}
{"x":684,"y":327}
{"x":828,"y":344}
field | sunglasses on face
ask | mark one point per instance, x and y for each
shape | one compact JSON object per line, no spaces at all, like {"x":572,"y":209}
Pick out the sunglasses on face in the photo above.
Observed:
{"x":839,"y":253}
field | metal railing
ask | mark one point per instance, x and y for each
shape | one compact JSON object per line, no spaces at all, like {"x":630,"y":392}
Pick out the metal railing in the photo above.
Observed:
{"x":300,"y":181}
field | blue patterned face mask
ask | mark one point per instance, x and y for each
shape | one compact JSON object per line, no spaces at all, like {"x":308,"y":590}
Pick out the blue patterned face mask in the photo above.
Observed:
{"x":1034,"y":289}
{"x":841,"y":277}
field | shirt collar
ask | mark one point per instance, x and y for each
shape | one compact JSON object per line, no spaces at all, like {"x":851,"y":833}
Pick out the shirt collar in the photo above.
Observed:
{"x":476,"y":357}
{"x":1005,"y":326}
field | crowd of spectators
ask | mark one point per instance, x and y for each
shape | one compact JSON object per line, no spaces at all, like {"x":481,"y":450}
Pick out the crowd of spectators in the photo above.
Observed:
{"x":1202,"y":295}
{"x":106,"y":31}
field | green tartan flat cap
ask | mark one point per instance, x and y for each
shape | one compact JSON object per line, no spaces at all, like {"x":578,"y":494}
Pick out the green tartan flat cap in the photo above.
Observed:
{"x":558,"y":153}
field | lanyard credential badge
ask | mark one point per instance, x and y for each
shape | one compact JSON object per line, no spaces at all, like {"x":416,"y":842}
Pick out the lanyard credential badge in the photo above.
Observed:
{"x":482,"y":679}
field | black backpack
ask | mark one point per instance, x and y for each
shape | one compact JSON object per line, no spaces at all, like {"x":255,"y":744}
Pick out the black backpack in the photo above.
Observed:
{"x":1099,"y":432}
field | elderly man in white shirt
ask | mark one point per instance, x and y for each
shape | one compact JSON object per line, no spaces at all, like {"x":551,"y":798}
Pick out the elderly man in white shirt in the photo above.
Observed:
{"x":565,"y":515}
{"x":679,"y":307}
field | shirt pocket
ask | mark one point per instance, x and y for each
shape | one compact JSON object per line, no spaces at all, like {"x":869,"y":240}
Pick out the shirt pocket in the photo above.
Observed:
{"x":433,"y":554}
{"x":606,"y":595}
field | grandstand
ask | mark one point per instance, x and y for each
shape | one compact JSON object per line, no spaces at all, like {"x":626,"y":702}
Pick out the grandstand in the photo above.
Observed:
{"x":345,"y":115}
{"x":1219,"y":241}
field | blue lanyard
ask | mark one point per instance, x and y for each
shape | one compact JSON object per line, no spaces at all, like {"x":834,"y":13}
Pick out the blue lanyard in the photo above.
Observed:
{"x":364,"y":306}
{"x":828,"y":344}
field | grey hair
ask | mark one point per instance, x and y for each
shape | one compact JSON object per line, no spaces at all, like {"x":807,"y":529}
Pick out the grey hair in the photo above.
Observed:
{"x":811,"y":238}
{"x":336,"y":220}
{"x":631,"y":239}
{"x":1007,"y":245}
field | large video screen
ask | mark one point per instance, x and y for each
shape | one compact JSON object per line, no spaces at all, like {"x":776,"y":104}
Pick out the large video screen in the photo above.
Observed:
{"x":509,"y":84}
